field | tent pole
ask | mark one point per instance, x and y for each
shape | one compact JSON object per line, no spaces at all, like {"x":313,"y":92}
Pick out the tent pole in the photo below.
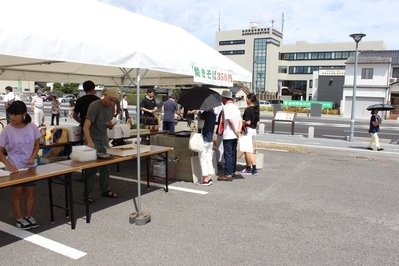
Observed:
{"x":139,"y":217}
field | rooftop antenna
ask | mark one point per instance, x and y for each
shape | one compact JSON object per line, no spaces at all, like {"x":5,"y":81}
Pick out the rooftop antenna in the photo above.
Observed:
{"x":272,"y":23}
{"x":219,"y":22}
{"x":282,"y":22}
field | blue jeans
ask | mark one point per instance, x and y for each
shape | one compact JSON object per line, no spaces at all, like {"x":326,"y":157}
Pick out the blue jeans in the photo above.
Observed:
{"x":230,"y":156}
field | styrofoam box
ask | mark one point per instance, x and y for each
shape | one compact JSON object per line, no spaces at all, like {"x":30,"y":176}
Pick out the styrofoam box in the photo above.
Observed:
{"x":119,"y":131}
{"x":126,"y":150}
{"x":74,"y":132}
{"x":83,"y":153}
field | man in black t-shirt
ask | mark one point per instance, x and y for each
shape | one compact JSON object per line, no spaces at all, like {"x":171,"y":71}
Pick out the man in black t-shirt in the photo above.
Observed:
{"x":82,"y":104}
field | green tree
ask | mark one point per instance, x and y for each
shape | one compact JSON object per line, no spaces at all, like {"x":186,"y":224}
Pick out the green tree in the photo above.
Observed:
{"x":70,"y":88}
{"x":57,"y":86}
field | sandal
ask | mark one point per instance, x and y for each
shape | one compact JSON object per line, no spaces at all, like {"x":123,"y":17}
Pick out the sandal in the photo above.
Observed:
{"x":109,"y":194}
{"x":89,"y":199}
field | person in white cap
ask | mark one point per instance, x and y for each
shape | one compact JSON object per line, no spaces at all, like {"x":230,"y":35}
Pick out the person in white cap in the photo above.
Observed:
{"x":98,"y":119}
{"x":232,"y":123}
{"x":36,"y":106}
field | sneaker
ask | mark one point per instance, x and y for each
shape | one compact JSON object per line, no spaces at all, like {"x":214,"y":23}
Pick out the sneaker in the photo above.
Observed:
{"x":32,"y":222}
{"x":255,"y":172}
{"x":23,"y":224}
{"x":369,"y":148}
{"x":246,"y":171}
{"x":380,"y":149}
{"x":205,"y":183}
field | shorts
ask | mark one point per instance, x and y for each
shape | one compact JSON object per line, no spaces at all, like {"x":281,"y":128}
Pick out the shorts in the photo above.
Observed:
{"x":28,"y":184}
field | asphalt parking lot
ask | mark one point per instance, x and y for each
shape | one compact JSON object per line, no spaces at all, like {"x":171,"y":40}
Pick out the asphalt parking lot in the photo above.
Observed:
{"x":309,"y":206}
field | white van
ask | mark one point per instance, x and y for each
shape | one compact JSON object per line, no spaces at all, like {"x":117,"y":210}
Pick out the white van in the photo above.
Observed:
{"x":264,"y":103}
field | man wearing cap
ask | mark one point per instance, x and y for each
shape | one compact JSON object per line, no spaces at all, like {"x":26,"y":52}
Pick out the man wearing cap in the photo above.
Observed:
{"x":98,"y":119}
{"x":36,"y":106}
{"x":8,"y":99}
{"x":231,"y":124}
{"x":149,"y":107}
{"x":170,"y":108}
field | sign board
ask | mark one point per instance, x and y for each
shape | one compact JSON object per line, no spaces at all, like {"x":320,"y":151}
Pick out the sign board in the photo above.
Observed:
{"x":285,"y":116}
{"x":331,"y":72}
{"x":307,"y":104}
{"x":212,"y":75}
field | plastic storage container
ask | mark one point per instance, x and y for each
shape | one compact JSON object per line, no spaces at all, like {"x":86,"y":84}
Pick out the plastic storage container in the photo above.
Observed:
{"x":159,"y":169}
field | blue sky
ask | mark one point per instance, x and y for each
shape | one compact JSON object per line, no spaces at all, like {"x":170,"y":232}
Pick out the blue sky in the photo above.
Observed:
{"x":316,"y":21}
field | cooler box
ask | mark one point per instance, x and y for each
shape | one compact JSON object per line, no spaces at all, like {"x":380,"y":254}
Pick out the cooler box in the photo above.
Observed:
{"x":74,"y":132}
{"x":119,"y":131}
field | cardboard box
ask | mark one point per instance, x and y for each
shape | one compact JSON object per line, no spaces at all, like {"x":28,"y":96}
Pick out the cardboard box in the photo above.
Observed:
{"x":126,"y":150}
{"x":119,"y":131}
{"x":74,"y":132}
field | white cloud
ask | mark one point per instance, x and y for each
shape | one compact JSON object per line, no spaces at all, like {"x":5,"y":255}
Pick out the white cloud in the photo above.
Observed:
{"x":310,"y":20}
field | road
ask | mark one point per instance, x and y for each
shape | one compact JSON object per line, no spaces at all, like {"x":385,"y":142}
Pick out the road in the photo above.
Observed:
{"x":332,"y":127}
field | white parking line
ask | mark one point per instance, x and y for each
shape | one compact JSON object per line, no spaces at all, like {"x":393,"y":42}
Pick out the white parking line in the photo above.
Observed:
{"x":42,"y":241}
{"x":189,"y":190}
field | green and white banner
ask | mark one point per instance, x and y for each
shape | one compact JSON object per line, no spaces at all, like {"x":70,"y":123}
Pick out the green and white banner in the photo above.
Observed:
{"x":212,"y":75}
{"x":307,"y":104}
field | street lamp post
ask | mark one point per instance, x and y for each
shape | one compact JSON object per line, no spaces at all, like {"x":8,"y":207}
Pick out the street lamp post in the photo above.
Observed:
{"x":259,"y":84}
{"x":254,"y":77}
{"x":357,"y":37}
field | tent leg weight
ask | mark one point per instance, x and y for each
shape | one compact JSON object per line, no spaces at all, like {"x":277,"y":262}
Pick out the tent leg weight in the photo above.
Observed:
{"x":142,"y":219}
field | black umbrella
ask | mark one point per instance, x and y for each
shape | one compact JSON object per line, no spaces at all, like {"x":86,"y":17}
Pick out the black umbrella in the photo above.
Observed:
{"x":199,"y":98}
{"x":380,"y":106}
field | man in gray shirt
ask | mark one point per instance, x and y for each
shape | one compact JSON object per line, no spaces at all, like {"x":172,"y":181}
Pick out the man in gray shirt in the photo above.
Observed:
{"x":98,"y":118}
{"x":170,"y":108}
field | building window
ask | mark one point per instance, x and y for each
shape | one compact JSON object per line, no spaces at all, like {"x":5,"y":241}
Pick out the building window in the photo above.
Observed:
{"x":367,"y":73}
{"x":300,"y":56}
{"x":327,"y":55}
{"x":314,"y":68}
{"x":232,"y":52}
{"x":317,"y":56}
{"x":302,"y":69}
{"x":232,"y":42}
{"x":345,"y":55}
{"x":282,"y":69}
{"x":395,"y":72}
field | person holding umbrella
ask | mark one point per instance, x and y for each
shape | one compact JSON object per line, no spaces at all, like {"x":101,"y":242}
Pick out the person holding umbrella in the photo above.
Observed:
{"x":375,"y":122}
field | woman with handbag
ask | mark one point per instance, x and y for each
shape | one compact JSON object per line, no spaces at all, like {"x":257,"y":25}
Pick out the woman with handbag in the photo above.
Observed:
{"x":206,"y":155}
{"x":250,"y":121}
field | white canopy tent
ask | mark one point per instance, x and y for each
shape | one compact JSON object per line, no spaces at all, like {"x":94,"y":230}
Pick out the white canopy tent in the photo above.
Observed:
{"x":76,"y":40}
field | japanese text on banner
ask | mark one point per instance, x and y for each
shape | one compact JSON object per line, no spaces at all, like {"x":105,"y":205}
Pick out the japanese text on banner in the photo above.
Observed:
{"x":212,"y":75}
